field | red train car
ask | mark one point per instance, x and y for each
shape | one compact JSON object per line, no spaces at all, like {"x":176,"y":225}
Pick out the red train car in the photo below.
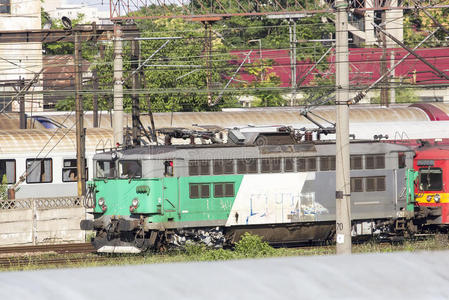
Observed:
{"x":432,"y":183}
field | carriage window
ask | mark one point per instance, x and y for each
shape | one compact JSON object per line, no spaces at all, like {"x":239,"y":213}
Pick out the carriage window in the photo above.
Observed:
{"x":356,"y":184}
{"x":375,"y":184}
{"x":223,"y":166}
{"x":306,"y":164}
{"x":430,"y":179}
{"x":199,"y":190}
{"x":8,"y":171}
{"x":376,"y":161}
{"x":356,"y":162}
{"x":288,"y":164}
{"x":70,"y":171}
{"x":248,"y":165}
{"x":327,"y":163}
{"x":39,"y":170}
{"x":223,"y":190}
{"x":270,"y":165}
{"x":199,"y":167}
{"x":5,"y":6}
{"x":130,"y":168}
{"x":105,"y":169}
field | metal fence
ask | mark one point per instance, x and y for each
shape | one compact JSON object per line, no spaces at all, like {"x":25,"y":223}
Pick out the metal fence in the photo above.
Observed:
{"x":41,"y":203}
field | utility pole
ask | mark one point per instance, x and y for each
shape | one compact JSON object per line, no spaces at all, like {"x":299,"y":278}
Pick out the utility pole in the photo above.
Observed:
{"x":80,"y":134}
{"x":135,"y":62}
{"x":118,"y":85}
{"x":343,"y":201}
{"x":293,"y":41}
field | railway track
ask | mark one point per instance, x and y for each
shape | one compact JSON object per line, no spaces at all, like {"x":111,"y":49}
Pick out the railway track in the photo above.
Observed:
{"x":9,"y":262}
{"x":59,"y":249}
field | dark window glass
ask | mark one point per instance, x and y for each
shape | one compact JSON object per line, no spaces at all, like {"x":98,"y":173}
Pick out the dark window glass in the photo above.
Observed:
{"x":248,"y":165}
{"x":324,"y":163}
{"x":401,"y":160}
{"x":275,"y":165}
{"x":380,"y":161}
{"x":218,"y":167}
{"x":288,"y":164}
{"x":130,"y":169}
{"x":265,"y":166}
{"x":194,"y":169}
{"x":376,"y":161}
{"x":205,"y":190}
{"x":430,"y":179}
{"x":356,"y":184}
{"x":311,"y":164}
{"x":356,"y":162}
{"x":301,"y":164}
{"x":241,"y":166}
{"x":194,"y":191}
{"x":70,"y":171}
{"x":252,"y":165}
{"x":204,"y":167}
{"x":369,"y":162}
{"x":39,"y":170}
{"x":105,"y":169}
{"x":371,"y":184}
{"x":380,"y":184}
{"x":8,"y":171}
{"x":218,"y":190}
{"x":229,"y":189}
{"x":228,"y":165}
{"x":5,"y":6}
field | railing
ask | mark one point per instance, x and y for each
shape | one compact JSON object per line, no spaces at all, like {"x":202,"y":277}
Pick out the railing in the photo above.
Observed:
{"x":41,"y":203}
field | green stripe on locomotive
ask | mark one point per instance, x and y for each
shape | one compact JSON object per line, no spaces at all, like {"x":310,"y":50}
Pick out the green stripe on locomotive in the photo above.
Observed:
{"x":167,"y":199}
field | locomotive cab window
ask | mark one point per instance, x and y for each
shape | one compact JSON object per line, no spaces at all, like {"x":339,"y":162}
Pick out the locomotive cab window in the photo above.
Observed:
{"x":8,"y":171}
{"x":39,"y":170}
{"x":70,"y":171}
{"x":130,"y":168}
{"x":430,"y":179}
{"x":105,"y":169}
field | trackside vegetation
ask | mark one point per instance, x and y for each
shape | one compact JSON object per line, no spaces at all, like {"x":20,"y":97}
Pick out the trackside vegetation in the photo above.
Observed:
{"x":249,"y":247}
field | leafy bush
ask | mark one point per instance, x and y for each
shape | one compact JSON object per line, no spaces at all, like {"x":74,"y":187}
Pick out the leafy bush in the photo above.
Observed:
{"x":253,"y":246}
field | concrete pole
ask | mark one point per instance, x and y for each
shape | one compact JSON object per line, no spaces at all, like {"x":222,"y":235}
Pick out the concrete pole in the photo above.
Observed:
{"x":80,"y":134}
{"x":343,"y":201}
{"x":118,"y":85}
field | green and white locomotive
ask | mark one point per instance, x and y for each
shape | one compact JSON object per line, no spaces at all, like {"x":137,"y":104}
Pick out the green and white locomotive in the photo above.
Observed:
{"x":274,"y":185}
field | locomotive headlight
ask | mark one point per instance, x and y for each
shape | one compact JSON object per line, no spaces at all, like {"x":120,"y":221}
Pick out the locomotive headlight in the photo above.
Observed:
{"x":101,"y":201}
{"x":135,"y":202}
{"x":437,"y":198}
{"x":429,"y":198}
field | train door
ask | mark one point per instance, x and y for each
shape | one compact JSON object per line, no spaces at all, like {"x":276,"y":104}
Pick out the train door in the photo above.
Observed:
{"x":170,"y":193}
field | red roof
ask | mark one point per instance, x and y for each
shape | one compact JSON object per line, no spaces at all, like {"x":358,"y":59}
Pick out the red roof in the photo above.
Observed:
{"x":364,"y":65}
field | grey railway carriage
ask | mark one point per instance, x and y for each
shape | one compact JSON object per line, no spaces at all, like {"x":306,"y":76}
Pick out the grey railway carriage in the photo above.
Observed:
{"x":267,"y":184}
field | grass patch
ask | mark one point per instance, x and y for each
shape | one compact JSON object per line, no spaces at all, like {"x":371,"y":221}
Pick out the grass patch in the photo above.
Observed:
{"x":250,"y":246}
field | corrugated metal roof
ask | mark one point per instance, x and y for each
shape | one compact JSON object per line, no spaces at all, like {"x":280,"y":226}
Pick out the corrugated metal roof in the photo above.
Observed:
{"x":32,"y":141}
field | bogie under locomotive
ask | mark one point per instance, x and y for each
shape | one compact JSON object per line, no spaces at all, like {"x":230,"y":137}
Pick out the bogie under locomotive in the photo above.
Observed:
{"x":161,"y":196}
